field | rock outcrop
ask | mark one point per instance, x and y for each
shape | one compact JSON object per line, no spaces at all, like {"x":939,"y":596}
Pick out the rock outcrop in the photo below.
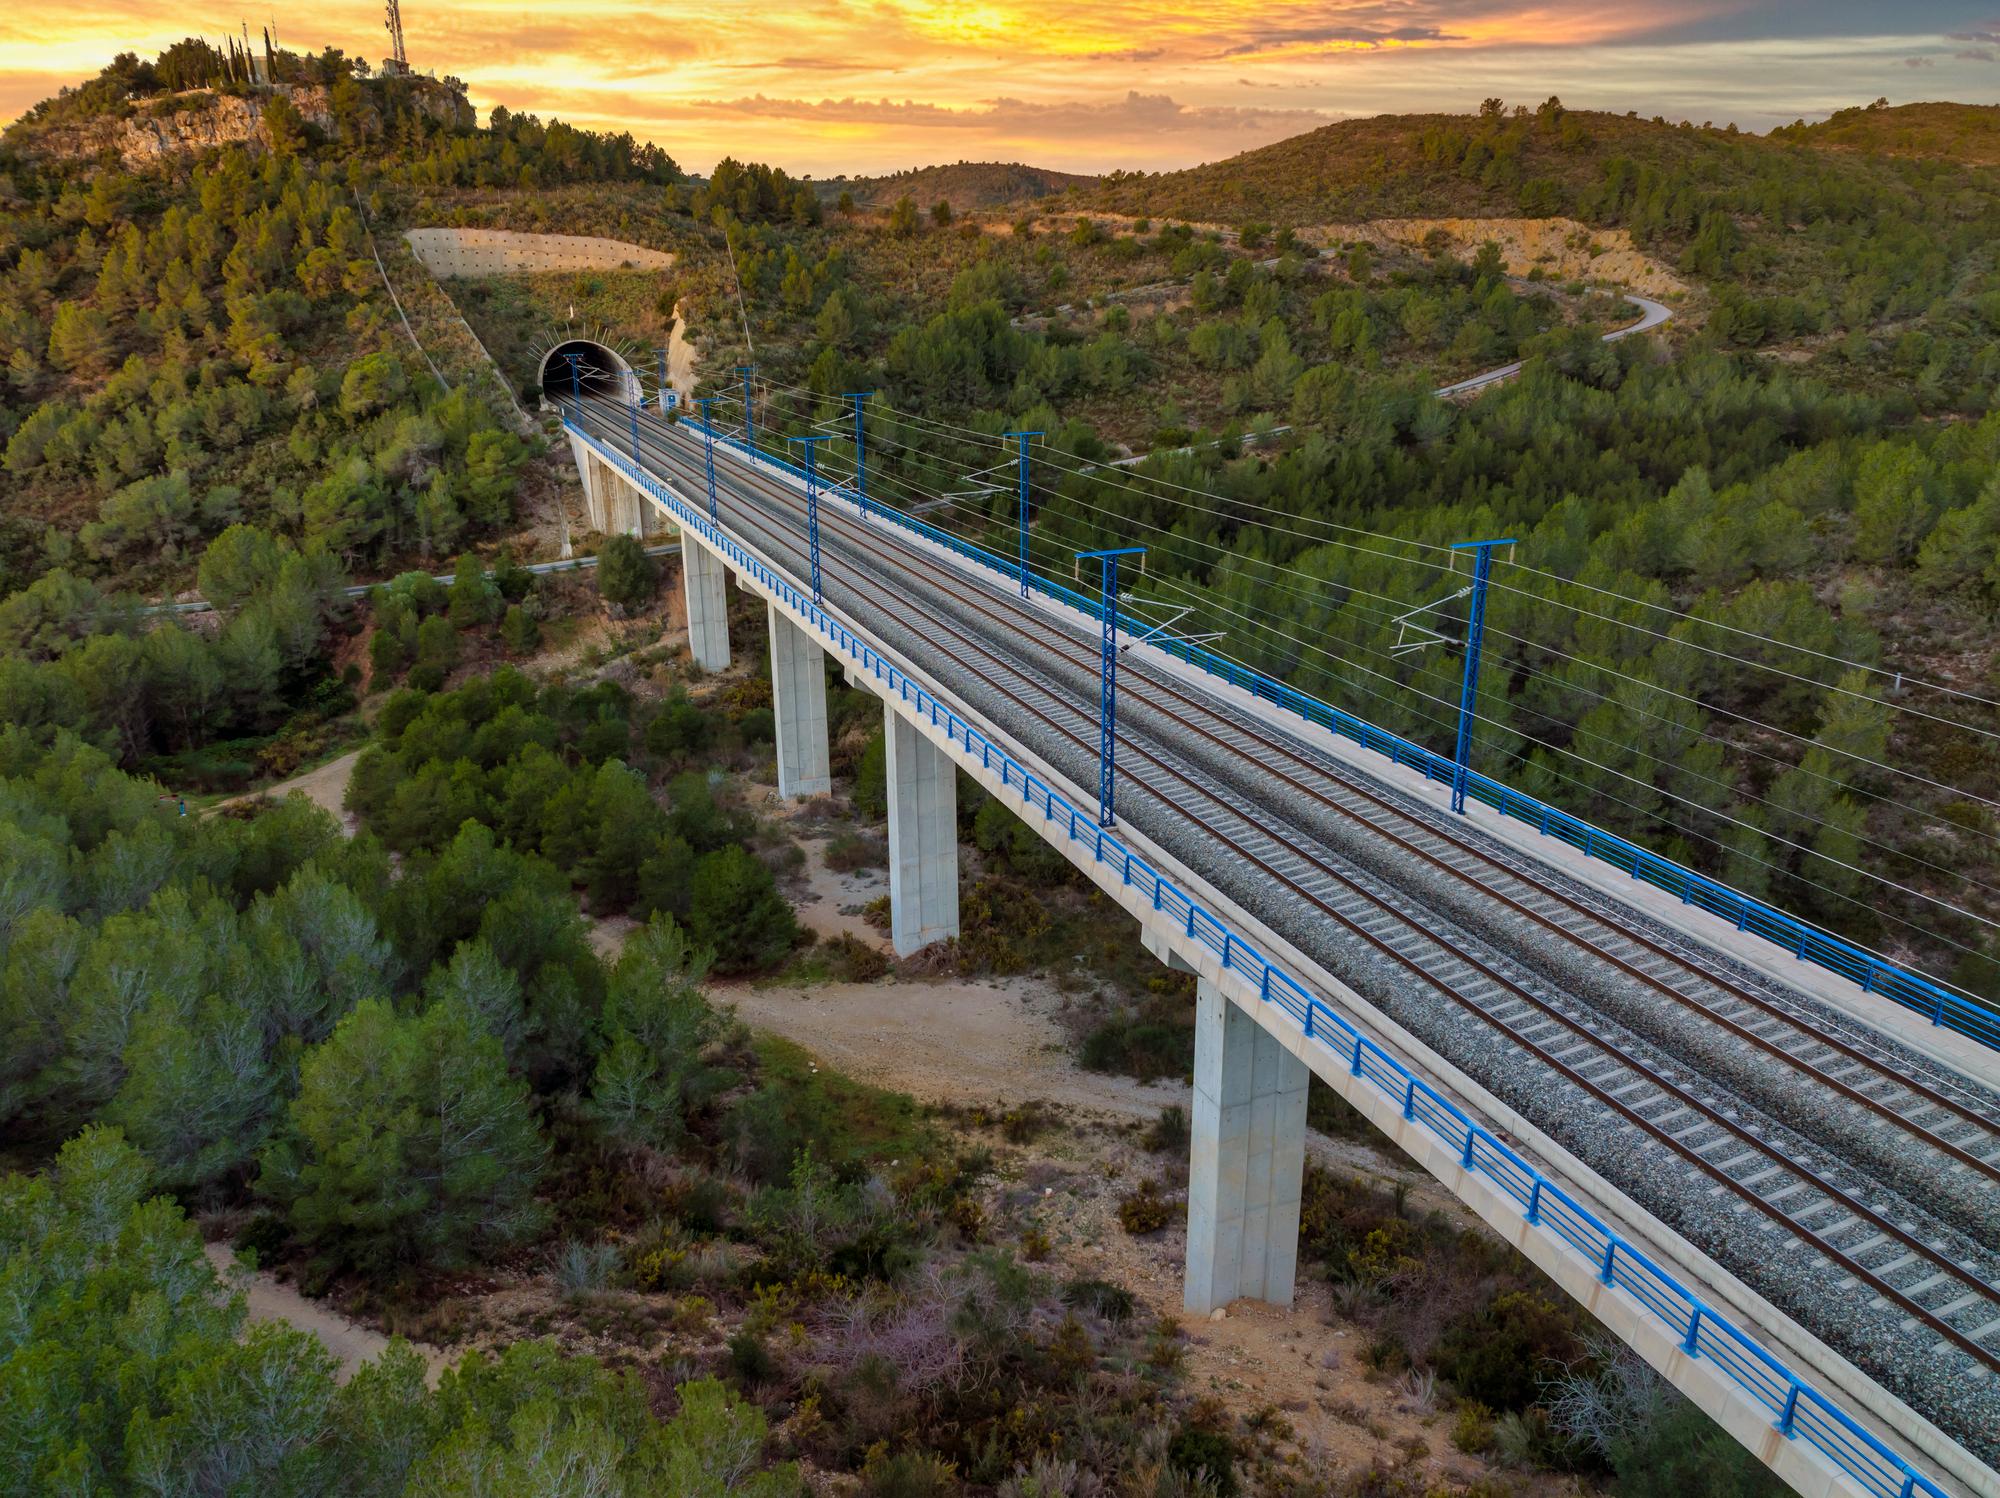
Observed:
{"x":203,"y":119}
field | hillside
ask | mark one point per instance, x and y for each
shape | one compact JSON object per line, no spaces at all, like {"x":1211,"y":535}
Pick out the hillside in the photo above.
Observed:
{"x":1967,"y":134}
{"x":968,"y":186}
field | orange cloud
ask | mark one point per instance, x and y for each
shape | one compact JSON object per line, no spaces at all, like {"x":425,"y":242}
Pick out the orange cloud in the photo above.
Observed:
{"x":859,"y":85}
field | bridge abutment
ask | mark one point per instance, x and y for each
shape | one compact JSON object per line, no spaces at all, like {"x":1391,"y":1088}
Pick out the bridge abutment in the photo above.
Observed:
{"x":702,"y":585}
{"x":1247,"y":1167}
{"x":798,"y":702}
{"x":923,"y":837}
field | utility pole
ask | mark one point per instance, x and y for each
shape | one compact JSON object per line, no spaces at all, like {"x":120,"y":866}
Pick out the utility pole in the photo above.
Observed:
{"x":1021,"y":467}
{"x":860,"y":454}
{"x":1107,"y":699}
{"x":663,"y":382}
{"x":708,"y":447}
{"x":811,"y":445}
{"x":1475,"y":631}
{"x":749,"y":428}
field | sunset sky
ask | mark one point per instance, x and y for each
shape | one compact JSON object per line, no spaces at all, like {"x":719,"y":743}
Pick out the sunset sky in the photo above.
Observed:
{"x":826,"y":86}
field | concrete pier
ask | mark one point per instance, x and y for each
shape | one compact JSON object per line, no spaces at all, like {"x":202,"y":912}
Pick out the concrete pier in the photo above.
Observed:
{"x":798,"y":692}
{"x":702,"y":585}
{"x":1248,"y":1160}
{"x":591,"y":470}
{"x":923,"y":837}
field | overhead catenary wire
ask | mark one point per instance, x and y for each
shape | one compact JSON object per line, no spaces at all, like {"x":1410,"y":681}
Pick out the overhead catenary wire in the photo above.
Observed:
{"x":1902,"y":677}
{"x":1806,"y":742}
{"x":1735,"y":791}
{"x":1123,"y":479}
{"x":1581,"y":759}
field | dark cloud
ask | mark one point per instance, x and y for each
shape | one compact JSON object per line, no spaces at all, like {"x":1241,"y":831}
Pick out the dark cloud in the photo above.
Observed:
{"x":1750,"y":20}
{"x":1154,"y":113}
{"x":1284,"y":37}
{"x":1978,"y":54}
{"x":1918,"y":62}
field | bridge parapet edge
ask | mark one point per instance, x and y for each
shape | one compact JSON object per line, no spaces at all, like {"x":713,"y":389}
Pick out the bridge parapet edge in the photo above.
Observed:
{"x":1838,"y":1455}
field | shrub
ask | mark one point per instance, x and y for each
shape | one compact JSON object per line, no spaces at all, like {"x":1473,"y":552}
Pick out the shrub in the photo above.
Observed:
{"x":736,"y":912}
{"x":909,"y":1474}
{"x":1101,"y":1298}
{"x":1200,"y":1451}
{"x":1145,"y":1210}
{"x":851,"y":850}
{"x":1500,"y":1354}
{"x":679,"y":729}
{"x":1683,"y":1452}
{"x":750,"y":1360}
{"x":1170,"y":1132}
{"x":519,"y":630}
{"x":1142,"y":1044}
{"x":1472,"y":1428}
{"x":626,"y":576}
{"x":585,"y":1268}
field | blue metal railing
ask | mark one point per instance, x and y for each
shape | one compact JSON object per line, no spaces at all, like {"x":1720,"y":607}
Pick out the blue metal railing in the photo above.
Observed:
{"x":1799,"y":1410}
{"x":1808,"y":943}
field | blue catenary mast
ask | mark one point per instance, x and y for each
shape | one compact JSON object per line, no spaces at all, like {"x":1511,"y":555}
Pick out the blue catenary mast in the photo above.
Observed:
{"x":1021,"y":468}
{"x":811,"y":445}
{"x":1107,"y":698}
{"x":708,"y":447}
{"x":860,"y":455}
{"x":1468,"y":692}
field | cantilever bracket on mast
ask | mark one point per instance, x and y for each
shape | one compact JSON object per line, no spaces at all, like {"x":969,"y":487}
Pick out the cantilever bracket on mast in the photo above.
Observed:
{"x":1411,"y":636}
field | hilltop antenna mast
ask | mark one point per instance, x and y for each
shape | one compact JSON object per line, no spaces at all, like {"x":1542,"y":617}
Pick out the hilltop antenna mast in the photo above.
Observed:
{"x":394,"y":26}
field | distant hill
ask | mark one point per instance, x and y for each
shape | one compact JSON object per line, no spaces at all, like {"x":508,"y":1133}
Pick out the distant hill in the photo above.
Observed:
{"x":1540,"y":163}
{"x":1968,"y":133}
{"x":965,"y":185}
{"x":1534,"y":163}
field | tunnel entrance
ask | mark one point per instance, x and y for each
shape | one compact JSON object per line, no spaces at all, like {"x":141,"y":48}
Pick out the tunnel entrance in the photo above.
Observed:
{"x":598,"y":371}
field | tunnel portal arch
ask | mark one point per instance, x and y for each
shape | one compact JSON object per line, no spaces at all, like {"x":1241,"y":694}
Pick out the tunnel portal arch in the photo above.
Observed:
{"x":600,"y":371}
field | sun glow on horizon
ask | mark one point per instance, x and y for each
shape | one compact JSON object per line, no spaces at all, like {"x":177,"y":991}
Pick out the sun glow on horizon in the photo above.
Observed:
{"x":828,"y":87}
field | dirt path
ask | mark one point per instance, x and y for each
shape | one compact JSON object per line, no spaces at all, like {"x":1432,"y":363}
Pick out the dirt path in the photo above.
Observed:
{"x":325,"y":786}
{"x":951,"y":1040}
{"x":271,"y":1299}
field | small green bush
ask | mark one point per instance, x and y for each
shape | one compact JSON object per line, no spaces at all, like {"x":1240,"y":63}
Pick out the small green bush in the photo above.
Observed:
{"x":1145,"y":1210}
{"x":1101,"y":1298}
{"x":1499,"y":1354}
{"x":1199,"y":1451}
{"x":1472,"y":1428}
{"x":1170,"y":1132}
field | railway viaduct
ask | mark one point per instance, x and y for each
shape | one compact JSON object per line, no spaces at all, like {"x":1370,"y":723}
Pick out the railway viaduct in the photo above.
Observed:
{"x":1744,"y":1146}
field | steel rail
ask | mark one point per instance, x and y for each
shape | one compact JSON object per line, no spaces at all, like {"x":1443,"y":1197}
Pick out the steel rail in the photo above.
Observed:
{"x":1801,"y":1410}
{"x":1837,"y":1195}
{"x":1811,"y":1033}
{"x":868,"y":543}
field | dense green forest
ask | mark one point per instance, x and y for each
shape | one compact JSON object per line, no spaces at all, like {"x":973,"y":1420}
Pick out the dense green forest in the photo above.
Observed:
{"x":1740,"y":552}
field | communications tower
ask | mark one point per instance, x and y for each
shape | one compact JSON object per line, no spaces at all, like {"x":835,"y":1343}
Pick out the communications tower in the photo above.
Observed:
{"x":399,"y":60}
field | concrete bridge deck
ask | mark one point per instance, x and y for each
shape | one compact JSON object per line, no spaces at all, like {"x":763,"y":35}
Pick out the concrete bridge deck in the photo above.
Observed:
{"x":1829,"y":1192}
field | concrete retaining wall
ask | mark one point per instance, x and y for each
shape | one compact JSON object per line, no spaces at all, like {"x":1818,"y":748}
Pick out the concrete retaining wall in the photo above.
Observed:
{"x":502,"y":252}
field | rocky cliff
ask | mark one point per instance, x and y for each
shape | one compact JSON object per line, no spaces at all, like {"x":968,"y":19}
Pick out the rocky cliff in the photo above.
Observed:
{"x":155,"y":129}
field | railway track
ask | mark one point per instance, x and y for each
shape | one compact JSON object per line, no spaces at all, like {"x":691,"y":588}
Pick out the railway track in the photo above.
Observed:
{"x":1936,"y":1290}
